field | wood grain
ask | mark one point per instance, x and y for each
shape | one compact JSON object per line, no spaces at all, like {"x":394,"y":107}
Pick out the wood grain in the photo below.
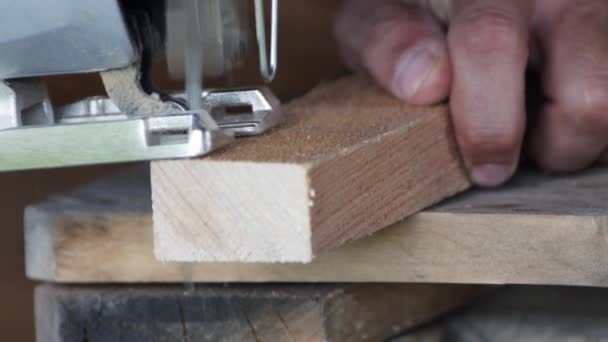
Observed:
{"x":349,"y":160}
{"x":536,"y":230}
{"x":366,"y":312}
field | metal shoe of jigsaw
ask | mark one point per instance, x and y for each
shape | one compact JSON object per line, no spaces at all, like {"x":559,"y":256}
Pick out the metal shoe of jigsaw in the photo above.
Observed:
{"x":117,"y":39}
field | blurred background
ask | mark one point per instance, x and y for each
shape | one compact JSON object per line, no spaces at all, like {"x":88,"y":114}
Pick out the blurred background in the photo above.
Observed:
{"x":307,"y":55}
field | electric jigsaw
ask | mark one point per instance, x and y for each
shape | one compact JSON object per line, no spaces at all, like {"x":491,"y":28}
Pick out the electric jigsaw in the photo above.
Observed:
{"x":119,"y":39}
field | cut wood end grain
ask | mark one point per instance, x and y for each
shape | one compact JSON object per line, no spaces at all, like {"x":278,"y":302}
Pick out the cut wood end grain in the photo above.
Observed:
{"x":348,"y":160}
{"x":253,"y":199}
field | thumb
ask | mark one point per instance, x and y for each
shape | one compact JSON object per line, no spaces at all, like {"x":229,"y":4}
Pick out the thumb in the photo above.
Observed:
{"x":400,"y":44}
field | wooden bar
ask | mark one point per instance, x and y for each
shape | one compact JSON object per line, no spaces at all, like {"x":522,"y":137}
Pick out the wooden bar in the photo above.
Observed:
{"x":536,"y":230}
{"x":348,"y":161}
{"x":365,"y":312}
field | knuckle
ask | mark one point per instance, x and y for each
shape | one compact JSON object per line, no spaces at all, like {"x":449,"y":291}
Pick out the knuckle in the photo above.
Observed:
{"x":343,"y":22}
{"x":347,"y":24}
{"x":363,"y":26}
{"x":391,"y":20}
{"x":387,"y":27}
{"x":386,"y":36}
{"x":587,"y":11}
{"x":339,"y":25}
{"x":490,"y":30}
{"x":379,"y":42}
{"x":490,"y":143}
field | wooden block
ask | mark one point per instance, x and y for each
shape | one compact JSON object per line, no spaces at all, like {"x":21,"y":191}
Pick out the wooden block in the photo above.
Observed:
{"x":348,"y":160}
{"x":536,"y":230}
{"x":367,"y":312}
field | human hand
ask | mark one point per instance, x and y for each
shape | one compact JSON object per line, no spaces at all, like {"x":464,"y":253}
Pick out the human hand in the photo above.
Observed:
{"x":480,"y":62}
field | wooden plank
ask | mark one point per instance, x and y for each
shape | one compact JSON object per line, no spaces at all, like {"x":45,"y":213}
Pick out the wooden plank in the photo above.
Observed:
{"x":349,"y":160}
{"x":367,"y":312}
{"x":536,"y":230}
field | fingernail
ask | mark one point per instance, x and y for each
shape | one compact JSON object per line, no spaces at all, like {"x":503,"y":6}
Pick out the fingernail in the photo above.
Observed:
{"x":412,"y":70}
{"x":491,"y":174}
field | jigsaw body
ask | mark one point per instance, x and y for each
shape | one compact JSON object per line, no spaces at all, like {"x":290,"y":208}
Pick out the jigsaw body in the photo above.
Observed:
{"x":118,"y":39}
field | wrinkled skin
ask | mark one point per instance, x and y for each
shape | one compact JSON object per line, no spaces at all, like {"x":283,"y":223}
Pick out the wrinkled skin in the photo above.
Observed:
{"x":476,"y":52}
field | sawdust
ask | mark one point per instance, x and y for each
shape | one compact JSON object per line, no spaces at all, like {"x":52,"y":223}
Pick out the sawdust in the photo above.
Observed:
{"x":330,"y":118}
{"x":123,"y":87}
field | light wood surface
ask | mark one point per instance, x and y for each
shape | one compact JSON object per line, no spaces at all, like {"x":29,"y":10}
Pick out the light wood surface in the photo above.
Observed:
{"x":536,"y":230}
{"x":348,"y":161}
{"x":365,"y":312}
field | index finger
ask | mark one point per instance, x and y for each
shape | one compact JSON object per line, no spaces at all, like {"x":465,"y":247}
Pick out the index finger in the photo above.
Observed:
{"x":488,"y":42}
